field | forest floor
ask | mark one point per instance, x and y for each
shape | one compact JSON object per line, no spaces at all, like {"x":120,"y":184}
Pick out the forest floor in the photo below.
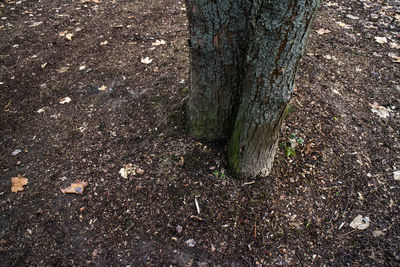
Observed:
{"x":77,"y":103}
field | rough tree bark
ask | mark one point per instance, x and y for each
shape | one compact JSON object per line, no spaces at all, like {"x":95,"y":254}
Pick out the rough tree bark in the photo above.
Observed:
{"x":218,"y":42}
{"x":244,"y":56}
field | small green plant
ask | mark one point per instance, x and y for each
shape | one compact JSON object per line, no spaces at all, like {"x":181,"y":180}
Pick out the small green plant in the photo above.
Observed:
{"x":290,"y":152}
{"x":219,"y":174}
{"x":282,"y":145}
{"x":289,"y":147}
{"x":300,"y":141}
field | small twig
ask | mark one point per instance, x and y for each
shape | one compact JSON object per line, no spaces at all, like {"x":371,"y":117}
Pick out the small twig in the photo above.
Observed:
{"x":255,"y":229}
{"x":249,"y":263}
{"x":196,"y":217}
{"x":249,"y":183}
{"x":301,"y":262}
{"x":183,"y":100}
{"x":197,"y":205}
{"x":8,"y":105}
{"x":352,"y":231}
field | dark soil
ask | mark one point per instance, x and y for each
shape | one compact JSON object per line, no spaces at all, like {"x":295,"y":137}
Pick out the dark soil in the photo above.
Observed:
{"x":298,"y":216}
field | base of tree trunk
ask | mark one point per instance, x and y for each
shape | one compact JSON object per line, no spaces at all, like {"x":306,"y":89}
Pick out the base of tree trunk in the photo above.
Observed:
{"x":244,"y":56}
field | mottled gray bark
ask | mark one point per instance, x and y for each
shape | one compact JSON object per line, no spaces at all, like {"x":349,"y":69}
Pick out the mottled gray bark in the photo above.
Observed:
{"x":249,"y":103}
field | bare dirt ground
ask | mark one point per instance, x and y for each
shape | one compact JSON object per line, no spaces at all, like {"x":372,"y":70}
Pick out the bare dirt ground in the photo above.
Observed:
{"x":339,"y":152}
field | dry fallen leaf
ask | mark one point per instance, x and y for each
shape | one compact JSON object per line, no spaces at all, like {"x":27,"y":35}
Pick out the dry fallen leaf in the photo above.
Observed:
{"x":394,"y":45}
{"x":139,"y":171}
{"x":69,"y":36}
{"x":103,"y":88}
{"x":342,"y":25}
{"x":360,"y":223}
{"x":396,"y":175}
{"x":394,"y":57}
{"x":17,"y":183}
{"x":181,"y":162}
{"x":308,"y":148}
{"x":323,"y":31}
{"x":62,"y":70}
{"x":329,"y":4}
{"x":123,"y":173}
{"x":63,"y":33}
{"x":65,"y":100}
{"x":380,"y":110}
{"x":35,"y":24}
{"x":130,"y":169}
{"x":75,"y":188}
{"x":158,"y":42}
{"x":381,"y":40}
{"x":146,"y":60}
{"x":127,"y":170}
{"x":352,"y":17}
{"x":329,"y":57}
{"x":378,"y":233}
{"x":90,"y":1}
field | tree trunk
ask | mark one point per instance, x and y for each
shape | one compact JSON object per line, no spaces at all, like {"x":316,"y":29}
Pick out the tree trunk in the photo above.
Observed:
{"x":218,"y":33}
{"x":242,"y":76}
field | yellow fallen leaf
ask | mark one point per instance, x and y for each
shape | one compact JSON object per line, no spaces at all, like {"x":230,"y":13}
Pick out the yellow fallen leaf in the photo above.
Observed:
{"x":75,"y":188}
{"x":17,"y":183}
{"x":342,"y":25}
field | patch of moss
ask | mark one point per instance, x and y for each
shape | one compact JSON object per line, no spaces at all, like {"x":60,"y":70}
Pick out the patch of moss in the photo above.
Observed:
{"x":234,"y":149}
